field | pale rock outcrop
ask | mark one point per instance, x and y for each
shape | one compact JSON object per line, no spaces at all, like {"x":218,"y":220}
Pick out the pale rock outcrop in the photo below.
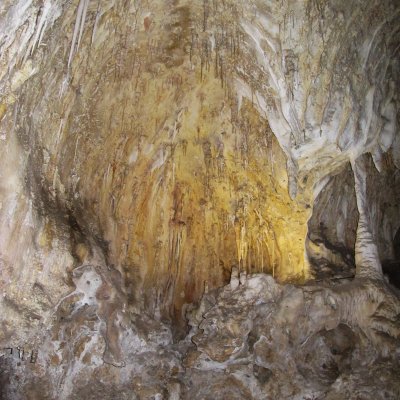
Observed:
{"x":260,"y":340}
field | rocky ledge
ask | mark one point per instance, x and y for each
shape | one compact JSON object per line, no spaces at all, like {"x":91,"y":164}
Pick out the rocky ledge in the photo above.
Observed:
{"x":252,"y":339}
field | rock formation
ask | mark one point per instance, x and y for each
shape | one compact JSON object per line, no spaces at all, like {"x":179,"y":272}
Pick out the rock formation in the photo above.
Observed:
{"x":199,"y":199}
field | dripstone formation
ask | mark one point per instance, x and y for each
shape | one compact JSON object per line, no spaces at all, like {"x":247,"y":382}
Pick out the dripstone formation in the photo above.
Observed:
{"x":199,"y":199}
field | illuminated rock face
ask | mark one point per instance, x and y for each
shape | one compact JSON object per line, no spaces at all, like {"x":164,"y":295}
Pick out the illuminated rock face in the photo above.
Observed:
{"x":141,"y":146}
{"x":152,"y":149}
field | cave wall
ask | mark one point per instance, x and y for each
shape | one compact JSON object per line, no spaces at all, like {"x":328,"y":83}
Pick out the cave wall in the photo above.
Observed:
{"x":332,"y":228}
{"x":171,"y":141}
{"x":332,"y":235}
{"x":136,"y":147}
{"x":152,"y":151}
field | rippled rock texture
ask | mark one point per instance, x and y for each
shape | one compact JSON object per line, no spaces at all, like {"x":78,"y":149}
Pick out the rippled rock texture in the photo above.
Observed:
{"x":152,"y":149}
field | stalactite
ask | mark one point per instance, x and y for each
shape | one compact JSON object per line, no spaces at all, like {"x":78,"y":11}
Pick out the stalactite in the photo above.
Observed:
{"x":78,"y":29}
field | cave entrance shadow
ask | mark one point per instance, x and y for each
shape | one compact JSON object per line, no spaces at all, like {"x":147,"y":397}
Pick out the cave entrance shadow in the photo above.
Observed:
{"x":391,"y":268}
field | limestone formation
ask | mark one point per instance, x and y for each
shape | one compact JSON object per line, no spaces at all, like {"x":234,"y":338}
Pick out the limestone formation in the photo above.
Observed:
{"x":199,"y":199}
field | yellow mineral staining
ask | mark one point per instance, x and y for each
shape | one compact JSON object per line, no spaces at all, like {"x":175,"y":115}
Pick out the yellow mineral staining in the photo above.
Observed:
{"x":81,"y":252}
{"x":45,"y":236}
{"x":22,"y":75}
{"x":193,"y":193}
{"x":3,"y":110}
{"x":164,"y":168}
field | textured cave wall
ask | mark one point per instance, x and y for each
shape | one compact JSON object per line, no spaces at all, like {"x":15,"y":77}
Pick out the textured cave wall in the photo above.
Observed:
{"x":332,"y":235}
{"x":171,"y":141}
{"x":150,"y":151}
{"x":137,"y":148}
{"x":332,"y":229}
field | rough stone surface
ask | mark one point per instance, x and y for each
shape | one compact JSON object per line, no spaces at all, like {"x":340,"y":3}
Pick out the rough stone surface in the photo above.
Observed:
{"x":154,"y":151}
{"x":259,"y":340}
